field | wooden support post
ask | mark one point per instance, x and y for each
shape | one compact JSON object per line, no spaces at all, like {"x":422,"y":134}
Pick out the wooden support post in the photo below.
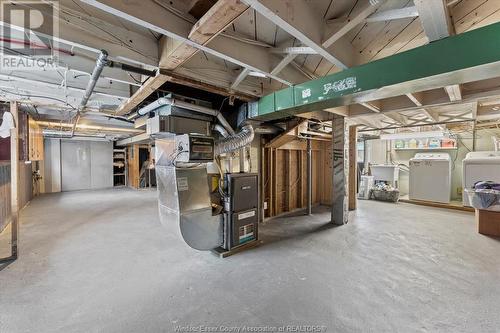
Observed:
{"x":275,"y":181}
{"x":14,"y":179}
{"x":302,"y":184}
{"x":262,"y":175}
{"x":288,"y":184}
{"x":339,"y":174}
{"x":309,"y":177}
{"x":353,"y":163}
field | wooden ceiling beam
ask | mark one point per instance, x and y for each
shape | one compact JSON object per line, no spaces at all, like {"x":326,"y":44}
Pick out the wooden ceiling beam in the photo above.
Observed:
{"x":299,"y":20}
{"x":393,"y":14}
{"x":355,"y":19}
{"x":454,"y":92}
{"x":435,"y":18}
{"x":152,"y":15}
{"x":175,"y":52}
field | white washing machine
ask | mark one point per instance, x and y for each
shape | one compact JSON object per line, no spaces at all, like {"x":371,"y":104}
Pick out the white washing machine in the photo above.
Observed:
{"x":430,"y":177}
{"x":477,"y":166}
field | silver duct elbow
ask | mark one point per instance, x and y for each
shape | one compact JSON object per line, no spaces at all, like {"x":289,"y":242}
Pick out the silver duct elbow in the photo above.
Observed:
{"x":222,"y":131}
{"x":234,"y":142}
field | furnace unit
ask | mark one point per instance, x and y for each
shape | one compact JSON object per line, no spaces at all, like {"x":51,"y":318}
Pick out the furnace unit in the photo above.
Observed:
{"x":241,"y":209}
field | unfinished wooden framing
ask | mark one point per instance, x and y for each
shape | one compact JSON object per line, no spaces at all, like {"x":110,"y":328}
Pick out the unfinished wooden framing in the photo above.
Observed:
{"x":14,"y":182}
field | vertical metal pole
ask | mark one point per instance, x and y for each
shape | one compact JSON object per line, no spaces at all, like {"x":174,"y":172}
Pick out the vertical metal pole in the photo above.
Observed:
{"x":365,"y":156}
{"x":242,"y":159}
{"x":309,"y":177}
{"x":340,"y":171}
{"x":473,"y":136}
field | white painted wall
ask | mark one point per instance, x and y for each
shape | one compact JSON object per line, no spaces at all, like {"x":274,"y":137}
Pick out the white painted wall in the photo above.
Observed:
{"x":377,"y":155}
{"x":77,"y":165}
{"x":52,"y":165}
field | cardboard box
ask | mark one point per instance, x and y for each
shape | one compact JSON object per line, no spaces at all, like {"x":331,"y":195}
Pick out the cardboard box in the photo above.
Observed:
{"x":488,"y":222}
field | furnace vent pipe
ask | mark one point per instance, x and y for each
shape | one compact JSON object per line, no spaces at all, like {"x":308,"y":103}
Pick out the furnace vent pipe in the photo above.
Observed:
{"x":222,"y":131}
{"x":100,"y":63}
{"x":235,"y":142}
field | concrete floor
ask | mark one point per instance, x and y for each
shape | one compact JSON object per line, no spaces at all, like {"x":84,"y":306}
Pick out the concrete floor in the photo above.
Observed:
{"x":101,"y":262}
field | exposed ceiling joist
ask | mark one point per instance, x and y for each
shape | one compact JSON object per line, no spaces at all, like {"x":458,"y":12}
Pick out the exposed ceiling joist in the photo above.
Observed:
{"x":141,"y":94}
{"x":373,"y":106}
{"x":79,"y":30}
{"x":175,"y":52}
{"x":430,"y":101}
{"x":435,"y":18}
{"x":295,"y":50}
{"x":397,"y":117}
{"x":433,"y":116}
{"x":299,"y":20}
{"x":371,"y":122}
{"x":244,"y":72}
{"x":416,"y":98}
{"x":393,"y":14}
{"x":34,"y":78}
{"x":454,"y":92}
{"x":283,"y":63}
{"x":357,"y":18}
{"x":153,"y":16}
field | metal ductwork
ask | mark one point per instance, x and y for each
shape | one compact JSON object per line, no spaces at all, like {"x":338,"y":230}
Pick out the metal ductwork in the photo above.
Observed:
{"x":96,"y":73}
{"x":222,"y":131}
{"x":232,"y":141}
{"x":236,"y":141}
{"x":193,"y":107}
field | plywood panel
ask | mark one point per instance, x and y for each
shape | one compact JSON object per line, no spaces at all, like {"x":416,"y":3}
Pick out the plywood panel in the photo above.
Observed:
{"x":478,"y":17}
{"x":326,"y":195}
{"x":408,"y":34}
{"x":35,"y":141}
{"x":133,"y":166}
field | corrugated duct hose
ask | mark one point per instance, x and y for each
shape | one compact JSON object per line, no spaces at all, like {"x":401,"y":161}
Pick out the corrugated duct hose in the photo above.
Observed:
{"x":234,"y":142}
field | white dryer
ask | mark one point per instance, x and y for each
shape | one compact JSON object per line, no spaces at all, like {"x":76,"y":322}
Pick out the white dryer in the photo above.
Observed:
{"x":430,"y":177}
{"x":477,"y":166}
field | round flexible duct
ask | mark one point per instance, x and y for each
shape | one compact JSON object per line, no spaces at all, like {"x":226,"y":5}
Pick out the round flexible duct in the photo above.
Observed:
{"x":234,"y":142}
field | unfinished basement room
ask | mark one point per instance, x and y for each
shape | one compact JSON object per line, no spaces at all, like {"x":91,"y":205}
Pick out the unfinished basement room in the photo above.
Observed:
{"x":265,"y":166}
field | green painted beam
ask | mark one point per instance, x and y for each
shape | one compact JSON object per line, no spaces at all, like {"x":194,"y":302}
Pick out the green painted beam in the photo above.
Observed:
{"x":467,"y":57}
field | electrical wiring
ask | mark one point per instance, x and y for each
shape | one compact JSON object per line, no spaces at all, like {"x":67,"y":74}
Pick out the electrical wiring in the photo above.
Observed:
{"x":39,"y":96}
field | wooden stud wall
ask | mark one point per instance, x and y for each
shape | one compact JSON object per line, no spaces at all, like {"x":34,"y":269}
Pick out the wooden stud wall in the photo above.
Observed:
{"x":133,"y":166}
{"x":285,"y":177}
{"x":35,"y":141}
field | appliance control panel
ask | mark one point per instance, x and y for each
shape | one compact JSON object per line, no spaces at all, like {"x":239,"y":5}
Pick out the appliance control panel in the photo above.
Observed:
{"x":192,"y":148}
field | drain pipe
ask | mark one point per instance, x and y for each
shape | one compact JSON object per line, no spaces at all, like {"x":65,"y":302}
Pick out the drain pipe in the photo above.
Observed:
{"x":309,"y":177}
{"x":100,"y":63}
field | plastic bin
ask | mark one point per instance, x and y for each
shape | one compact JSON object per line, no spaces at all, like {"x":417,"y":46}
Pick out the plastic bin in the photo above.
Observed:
{"x":484,"y":199}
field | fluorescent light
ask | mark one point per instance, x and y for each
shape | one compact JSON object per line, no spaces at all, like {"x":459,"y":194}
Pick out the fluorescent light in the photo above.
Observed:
{"x":414,"y":135}
{"x":256,"y":74}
